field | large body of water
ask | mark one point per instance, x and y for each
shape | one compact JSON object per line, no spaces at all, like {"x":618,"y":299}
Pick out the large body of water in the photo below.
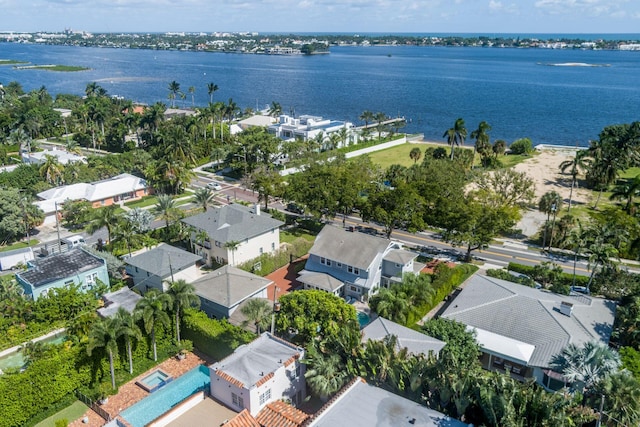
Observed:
{"x":517,"y":91}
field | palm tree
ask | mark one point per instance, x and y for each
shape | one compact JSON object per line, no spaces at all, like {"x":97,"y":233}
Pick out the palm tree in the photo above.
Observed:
{"x":367,"y":117}
{"x":600,"y":254}
{"x":380,"y":118}
{"x":104,"y":334}
{"x":456,"y":135}
{"x":183,"y":295}
{"x":481,"y":135}
{"x":627,"y":191}
{"x":326,"y":373}
{"x":192,"y":91}
{"x":20,"y":138}
{"x":580,"y":162}
{"x":204,"y":197}
{"x":577,"y":239}
{"x":152,"y":309}
{"x":623,"y":398}
{"x":52,"y":170}
{"x":391,"y":305}
{"x":103,"y":217}
{"x":587,"y":365}
{"x":415,"y":154}
{"x":232,"y":245}
{"x":128,"y":329}
{"x":211,"y":89}
{"x":257,"y":311}
{"x":174,"y":91}
{"x":165,"y":207}
{"x":275,"y":109}
{"x":549,"y":203}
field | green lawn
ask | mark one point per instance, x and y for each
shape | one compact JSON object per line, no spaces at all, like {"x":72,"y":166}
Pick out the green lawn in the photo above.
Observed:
{"x":292,"y":234}
{"x":70,"y":413}
{"x":144,"y":202}
{"x":19,"y":245}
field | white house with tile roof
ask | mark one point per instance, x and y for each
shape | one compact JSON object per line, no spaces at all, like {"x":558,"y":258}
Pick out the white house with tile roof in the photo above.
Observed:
{"x":355,"y":264}
{"x":255,"y":233}
{"x":520,"y":328}
{"x":255,"y":374}
{"x":157,"y":267}
{"x":222,"y":291}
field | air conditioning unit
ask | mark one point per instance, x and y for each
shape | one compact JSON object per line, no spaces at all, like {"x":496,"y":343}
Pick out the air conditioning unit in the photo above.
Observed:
{"x":566,"y":308}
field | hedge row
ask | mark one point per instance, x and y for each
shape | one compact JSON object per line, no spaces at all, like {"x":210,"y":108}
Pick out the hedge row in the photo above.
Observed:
{"x":271,"y":262}
{"x":566,"y":279}
{"x":215,"y":338}
{"x":443,"y":282}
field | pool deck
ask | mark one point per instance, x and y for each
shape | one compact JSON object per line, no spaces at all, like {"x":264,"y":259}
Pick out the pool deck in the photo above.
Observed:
{"x":130,"y":393}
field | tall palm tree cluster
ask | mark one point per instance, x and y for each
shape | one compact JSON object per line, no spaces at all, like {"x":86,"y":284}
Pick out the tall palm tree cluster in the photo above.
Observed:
{"x":151,"y":314}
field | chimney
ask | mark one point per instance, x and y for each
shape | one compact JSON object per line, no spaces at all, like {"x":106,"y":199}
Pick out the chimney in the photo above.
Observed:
{"x":258,"y":209}
{"x":566,"y":308}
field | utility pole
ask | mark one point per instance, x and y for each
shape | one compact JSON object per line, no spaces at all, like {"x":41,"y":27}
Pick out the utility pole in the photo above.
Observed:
{"x":600,"y":411}
{"x":273,"y":313}
{"x":58,"y":228}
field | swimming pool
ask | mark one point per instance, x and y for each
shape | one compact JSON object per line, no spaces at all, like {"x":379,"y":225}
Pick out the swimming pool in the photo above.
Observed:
{"x":363,"y":319}
{"x":16,"y":359}
{"x":156,"y":404}
{"x":154,"y":381}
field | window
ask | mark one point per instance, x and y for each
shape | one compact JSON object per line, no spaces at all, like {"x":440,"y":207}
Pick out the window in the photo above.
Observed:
{"x":350,"y":269}
{"x":264,"y":397}
{"x":68,"y":283}
{"x":354,"y":289}
{"x":239,"y":401}
{"x":90,"y":279}
{"x":273,"y":246}
{"x":261,"y":251}
{"x":136,"y":269}
{"x":323,"y":260}
{"x":356,"y":271}
{"x":218,"y":244}
{"x":339,"y":264}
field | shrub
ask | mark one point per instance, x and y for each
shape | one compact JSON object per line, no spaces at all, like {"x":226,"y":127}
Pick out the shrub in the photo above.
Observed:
{"x":630,"y":358}
{"x":521,"y":146}
{"x":505,"y":275}
{"x":216,"y":338}
{"x":565,"y":279}
{"x":271,"y":262}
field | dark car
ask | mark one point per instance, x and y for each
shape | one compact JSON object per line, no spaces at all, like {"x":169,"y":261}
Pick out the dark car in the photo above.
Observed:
{"x":295,"y":208}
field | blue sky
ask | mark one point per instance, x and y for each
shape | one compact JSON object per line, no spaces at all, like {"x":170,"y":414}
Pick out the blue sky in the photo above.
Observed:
{"x":387,"y":16}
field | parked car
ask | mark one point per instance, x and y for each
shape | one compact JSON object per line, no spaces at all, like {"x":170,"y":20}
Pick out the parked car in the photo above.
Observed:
{"x":295,"y":208}
{"x":214,"y":186}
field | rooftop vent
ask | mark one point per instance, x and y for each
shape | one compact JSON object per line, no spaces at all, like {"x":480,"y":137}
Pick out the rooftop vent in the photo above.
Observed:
{"x":566,"y":308}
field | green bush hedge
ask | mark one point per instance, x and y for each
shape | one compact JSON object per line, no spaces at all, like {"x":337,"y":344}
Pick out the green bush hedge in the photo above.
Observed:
{"x":566,"y":279}
{"x":505,"y":275}
{"x":444,"y":281}
{"x":215,"y":338}
{"x":271,"y":262}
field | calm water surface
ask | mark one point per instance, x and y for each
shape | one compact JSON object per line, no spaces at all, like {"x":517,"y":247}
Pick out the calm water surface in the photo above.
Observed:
{"x":516,"y":90}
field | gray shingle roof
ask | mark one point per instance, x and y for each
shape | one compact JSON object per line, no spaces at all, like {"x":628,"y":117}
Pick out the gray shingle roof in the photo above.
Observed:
{"x":400,"y":256}
{"x":233,"y":223}
{"x":321,"y":280}
{"x":350,"y":248}
{"x":531,"y":316}
{"x":162,"y":259}
{"x":414,"y":341}
{"x":227,"y":286}
{"x":60,"y":266}
{"x":364,"y":405}
{"x":252,"y":362}
{"x":123,"y":297}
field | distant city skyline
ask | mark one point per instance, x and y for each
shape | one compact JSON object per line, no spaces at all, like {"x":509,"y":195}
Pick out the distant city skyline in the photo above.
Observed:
{"x":326,"y":16}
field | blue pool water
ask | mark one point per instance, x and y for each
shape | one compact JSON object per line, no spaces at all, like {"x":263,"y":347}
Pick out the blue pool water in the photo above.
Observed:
{"x":156,"y":404}
{"x":363,"y":319}
{"x":155,"y":378}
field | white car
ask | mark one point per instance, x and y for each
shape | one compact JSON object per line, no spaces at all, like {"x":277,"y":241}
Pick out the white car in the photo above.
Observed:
{"x":214,"y":186}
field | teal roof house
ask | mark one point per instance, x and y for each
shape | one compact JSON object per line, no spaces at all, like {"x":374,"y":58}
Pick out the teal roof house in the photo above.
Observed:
{"x":74,"y":267}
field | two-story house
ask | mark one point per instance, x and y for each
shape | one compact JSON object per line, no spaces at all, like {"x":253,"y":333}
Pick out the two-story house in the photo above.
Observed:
{"x":74,"y":267}
{"x":157,"y":267}
{"x":353,"y":264}
{"x":255,"y":374}
{"x":235,"y":234}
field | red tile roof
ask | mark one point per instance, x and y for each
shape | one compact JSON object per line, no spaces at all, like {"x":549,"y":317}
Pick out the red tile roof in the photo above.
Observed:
{"x":229,"y":378}
{"x":264,"y":379}
{"x":280,"y":414}
{"x":243,"y":419}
